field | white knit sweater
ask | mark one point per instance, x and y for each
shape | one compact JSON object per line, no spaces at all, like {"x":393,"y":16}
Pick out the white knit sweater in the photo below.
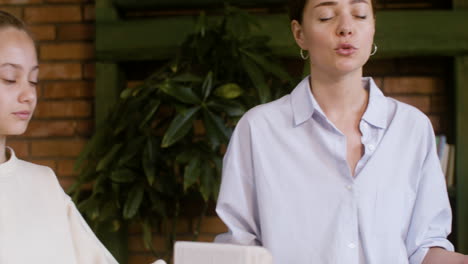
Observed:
{"x":39,"y":223}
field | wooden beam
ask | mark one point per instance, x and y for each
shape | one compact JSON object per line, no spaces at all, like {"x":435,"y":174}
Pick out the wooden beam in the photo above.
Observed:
{"x":461,"y":97}
{"x":132,"y":4}
{"x":108,"y":86}
{"x":398,"y":33}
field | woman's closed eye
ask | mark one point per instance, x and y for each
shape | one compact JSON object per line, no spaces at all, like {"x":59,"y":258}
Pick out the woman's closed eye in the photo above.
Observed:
{"x":33,"y":84}
{"x":361,"y":17}
{"x":9,"y":81}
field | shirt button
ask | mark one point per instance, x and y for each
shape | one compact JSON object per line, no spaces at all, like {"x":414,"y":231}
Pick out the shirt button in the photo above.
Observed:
{"x":371,"y":147}
{"x":352,"y":245}
{"x":349,"y":187}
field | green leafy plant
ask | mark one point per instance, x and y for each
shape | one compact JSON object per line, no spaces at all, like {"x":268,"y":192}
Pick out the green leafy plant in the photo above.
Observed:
{"x":163,"y":141}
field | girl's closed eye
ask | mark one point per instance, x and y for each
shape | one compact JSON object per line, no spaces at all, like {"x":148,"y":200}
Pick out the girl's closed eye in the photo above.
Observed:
{"x":323,"y":19}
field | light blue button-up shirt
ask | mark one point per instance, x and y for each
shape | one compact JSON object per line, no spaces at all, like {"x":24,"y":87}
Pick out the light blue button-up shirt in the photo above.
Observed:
{"x":287,"y":185}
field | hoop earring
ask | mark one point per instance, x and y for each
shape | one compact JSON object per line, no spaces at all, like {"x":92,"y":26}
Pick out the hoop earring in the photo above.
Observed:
{"x":374,"y":51}
{"x":304,"y":57}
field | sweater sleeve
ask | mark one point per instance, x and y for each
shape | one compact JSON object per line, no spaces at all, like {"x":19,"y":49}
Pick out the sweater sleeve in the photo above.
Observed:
{"x":88,"y":248}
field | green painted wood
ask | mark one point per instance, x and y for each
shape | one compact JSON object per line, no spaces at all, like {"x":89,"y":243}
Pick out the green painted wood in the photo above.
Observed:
{"x":460,"y":4}
{"x":157,"y":4}
{"x":461,"y":97}
{"x":398,"y":33}
{"x":108,"y":86}
{"x":105,"y":11}
{"x":461,"y":113}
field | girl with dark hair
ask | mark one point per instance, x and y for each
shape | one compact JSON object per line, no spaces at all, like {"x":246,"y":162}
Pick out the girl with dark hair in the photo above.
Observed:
{"x":38,"y":222}
{"x":336,"y":172}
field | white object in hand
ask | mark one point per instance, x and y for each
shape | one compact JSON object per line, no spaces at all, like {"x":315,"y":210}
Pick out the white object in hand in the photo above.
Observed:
{"x":214,"y":253}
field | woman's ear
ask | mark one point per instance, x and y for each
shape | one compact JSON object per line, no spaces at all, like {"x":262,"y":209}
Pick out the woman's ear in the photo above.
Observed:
{"x":298,"y":34}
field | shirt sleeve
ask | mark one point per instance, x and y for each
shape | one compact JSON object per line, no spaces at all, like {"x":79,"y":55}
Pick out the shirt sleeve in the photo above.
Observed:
{"x":88,"y":248}
{"x":237,"y":204}
{"x":432,"y":216}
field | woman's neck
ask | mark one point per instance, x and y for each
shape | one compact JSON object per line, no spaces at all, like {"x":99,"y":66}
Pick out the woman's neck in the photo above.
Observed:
{"x":3,"y":157}
{"x":340,"y":96}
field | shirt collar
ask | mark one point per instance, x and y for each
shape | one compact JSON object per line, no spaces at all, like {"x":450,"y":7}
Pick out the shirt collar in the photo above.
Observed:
{"x":304,"y":104}
{"x":8,"y":165}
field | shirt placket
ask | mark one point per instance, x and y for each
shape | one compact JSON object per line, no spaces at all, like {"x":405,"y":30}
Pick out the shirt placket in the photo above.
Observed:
{"x":349,"y":242}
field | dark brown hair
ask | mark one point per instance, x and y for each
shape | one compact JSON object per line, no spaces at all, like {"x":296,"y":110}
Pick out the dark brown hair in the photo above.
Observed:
{"x":296,"y":9}
{"x":9,"y":20}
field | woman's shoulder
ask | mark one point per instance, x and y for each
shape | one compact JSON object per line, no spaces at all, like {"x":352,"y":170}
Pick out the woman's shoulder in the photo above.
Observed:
{"x":408,"y":111}
{"x":273,"y":110}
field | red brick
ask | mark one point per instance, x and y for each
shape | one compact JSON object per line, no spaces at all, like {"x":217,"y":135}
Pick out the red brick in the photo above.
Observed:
{"x":43,"y":32}
{"x":70,"y":89}
{"x":89,"y":13}
{"x":66,"y":181}
{"x":439,"y":103}
{"x":64,"y":109}
{"x":63,"y":1}
{"x":436,"y":123}
{"x":67,"y":51}
{"x":134,"y":84}
{"x":51,"y":128}
{"x":135,"y":242}
{"x":18,"y":2}
{"x":85,"y":128}
{"x":76,"y":32}
{"x":57,"y":147}
{"x":65,"y":168}
{"x":379,"y":82}
{"x":16,"y":11}
{"x":412,"y":85}
{"x":60,"y":71}
{"x":213,"y":225}
{"x":421,"y":102}
{"x":47,"y":14}
{"x":21,"y":147}
{"x":89,"y":71}
{"x":141,"y":258}
{"x":46,"y":162}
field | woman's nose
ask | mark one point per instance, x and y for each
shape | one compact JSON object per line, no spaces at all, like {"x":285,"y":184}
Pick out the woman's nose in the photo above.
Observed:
{"x":345,"y":27}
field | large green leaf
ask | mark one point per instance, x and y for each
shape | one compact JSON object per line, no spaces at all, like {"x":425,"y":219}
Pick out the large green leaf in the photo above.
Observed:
{"x":215,"y":128}
{"x":149,"y":161}
{"x":207,"y":181}
{"x":131,"y":150}
{"x":268,"y":66}
{"x":153,"y":107}
{"x":229,"y":91}
{"x":192,"y":172}
{"x":109,"y":157}
{"x":123,"y":176}
{"x":90,"y":207}
{"x":230,"y":107}
{"x":182,"y":93}
{"x":133,"y":202}
{"x":96,"y":143}
{"x":257,"y":78}
{"x":179,"y":127}
{"x":186,"y":77}
{"x":207,"y":85}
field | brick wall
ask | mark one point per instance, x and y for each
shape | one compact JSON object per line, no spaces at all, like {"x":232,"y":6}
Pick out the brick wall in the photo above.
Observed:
{"x":63,"y":121}
{"x":64,"y":32}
